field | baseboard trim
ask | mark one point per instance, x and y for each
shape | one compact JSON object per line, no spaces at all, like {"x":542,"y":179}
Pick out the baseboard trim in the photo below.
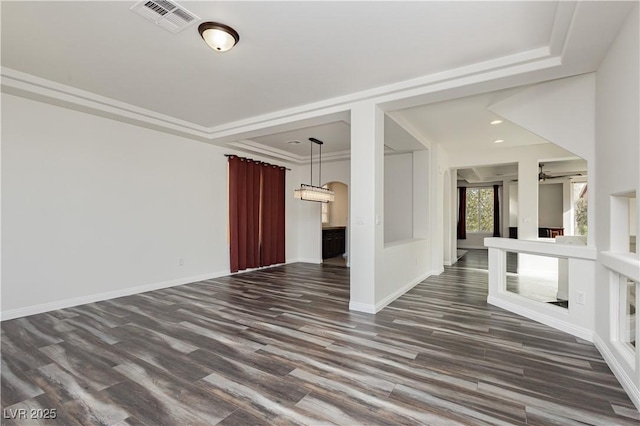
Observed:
{"x":393,"y":296}
{"x":437,"y":271}
{"x":362,"y":307}
{"x":372,"y":309}
{"x":565,"y":326}
{"x":627,"y":382}
{"x":98,"y":297}
{"x":107,"y":295}
{"x":309,"y":260}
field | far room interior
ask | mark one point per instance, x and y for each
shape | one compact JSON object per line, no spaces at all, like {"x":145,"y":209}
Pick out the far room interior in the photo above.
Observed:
{"x":236,"y":213}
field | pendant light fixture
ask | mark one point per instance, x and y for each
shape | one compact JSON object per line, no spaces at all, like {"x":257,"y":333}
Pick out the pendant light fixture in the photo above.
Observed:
{"x":218,"y":36}
{"x":315,"y":193}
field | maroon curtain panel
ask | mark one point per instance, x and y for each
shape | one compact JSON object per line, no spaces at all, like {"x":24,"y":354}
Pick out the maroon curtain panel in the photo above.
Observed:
{"x":462,"y":213}
{"x":244,"y":213}
{"x":272,"y":248}
{"x":496,"y":210}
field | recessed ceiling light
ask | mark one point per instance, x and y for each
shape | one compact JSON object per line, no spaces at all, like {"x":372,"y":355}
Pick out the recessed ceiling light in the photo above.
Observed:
{"x":498,"y":141}
{"x":494,"y":122}
{"x":294,"y":142}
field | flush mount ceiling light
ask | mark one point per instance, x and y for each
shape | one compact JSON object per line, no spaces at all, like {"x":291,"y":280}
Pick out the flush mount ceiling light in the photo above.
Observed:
{"x":494,"y":122}
{"x":219,"y":37}
{"x":498,"y":141}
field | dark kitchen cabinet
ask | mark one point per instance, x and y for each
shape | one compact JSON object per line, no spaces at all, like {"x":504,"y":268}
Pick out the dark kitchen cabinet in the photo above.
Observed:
{"x":333,"y":241}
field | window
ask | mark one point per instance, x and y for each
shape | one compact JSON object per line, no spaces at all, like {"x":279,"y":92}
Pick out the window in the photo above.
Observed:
{"x":479,"y":214}
{"x":628,"y":332}
{"x":580,"y":207}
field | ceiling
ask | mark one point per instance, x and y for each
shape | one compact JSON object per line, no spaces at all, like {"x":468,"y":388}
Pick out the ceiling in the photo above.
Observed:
{"x":300,"y":55}
{"x":465,"y":123}
{"x":289,"y":54}
{"x":558,"y":170}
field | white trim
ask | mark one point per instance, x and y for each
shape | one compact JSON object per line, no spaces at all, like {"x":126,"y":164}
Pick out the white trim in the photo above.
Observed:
{"x":436,"y":271}
{"x":399,"y":292}
{"x":627,"y":382}
{"x":362,"y":307}
{"x":309,"y":260}
{"x":545,"y":248}
{"x":20,"y":83}
{"x":627,"y":264}
{"x":470,"y":247}
{"x":98,"y":297}
{"x":541,"y":58}
{"x":565,"y":326}
{"x":373,"y":309}
{"x":107,"y":295}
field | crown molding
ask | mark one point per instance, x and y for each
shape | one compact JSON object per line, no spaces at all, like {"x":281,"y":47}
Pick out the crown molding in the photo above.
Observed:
{"x":239,"y":133}
{"x":255,"y":147}
{"x":17,"y":82}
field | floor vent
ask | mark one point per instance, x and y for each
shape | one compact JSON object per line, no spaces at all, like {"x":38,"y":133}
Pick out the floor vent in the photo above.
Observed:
{"x":166,"y":14}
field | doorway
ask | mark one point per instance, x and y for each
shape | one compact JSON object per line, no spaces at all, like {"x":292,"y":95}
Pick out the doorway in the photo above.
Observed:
{"x":335,"y":217}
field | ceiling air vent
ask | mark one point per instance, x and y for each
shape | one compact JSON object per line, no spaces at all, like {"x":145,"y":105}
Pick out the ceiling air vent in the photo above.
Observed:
{"x":165,"y":13}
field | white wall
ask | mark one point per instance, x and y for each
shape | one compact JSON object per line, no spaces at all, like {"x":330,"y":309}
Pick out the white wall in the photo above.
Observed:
{"x":562,"y":112}
{"x":339,"y":208}
{"x":380,"y":273}
{"x":633,"y":216}
{"x":398,"y":197}
{"x":93,"y":208}
{"x":550,"y":205}
{"x":513,"y":205}
{"x":617,"y":159}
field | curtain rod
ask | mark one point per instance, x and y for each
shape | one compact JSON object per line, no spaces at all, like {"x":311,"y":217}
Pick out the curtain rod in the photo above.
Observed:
{"x":236,"y":155}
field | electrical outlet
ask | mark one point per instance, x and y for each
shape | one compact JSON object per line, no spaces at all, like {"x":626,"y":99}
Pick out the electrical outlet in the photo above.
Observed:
{"x":580,"y":298}
{"x":181,"y":261}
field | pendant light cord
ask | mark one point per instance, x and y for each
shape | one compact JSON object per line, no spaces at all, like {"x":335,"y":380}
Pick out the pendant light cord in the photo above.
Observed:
{"x":320,"y":168}
{"x":311,"y":171}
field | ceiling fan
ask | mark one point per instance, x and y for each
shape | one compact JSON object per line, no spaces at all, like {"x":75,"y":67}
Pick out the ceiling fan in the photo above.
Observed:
{"x":542,"y":176}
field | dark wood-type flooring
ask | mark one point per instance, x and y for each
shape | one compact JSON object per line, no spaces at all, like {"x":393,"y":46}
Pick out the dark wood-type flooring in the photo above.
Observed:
{"x":279,"y":346}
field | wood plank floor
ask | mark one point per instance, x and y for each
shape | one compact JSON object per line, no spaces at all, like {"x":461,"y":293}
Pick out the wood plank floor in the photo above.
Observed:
{"x":279,"y":346}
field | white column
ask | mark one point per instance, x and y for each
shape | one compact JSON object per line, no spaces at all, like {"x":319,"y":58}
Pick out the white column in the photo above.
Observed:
{"x":567,"y":208}
{"x":504,"y":204}
{"x":528,"y":199}
{"x":435,"y":213}
{"x":367,"y":187}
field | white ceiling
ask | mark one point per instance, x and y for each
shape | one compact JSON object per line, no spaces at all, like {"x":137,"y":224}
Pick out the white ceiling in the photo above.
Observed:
{"x":466,"y":123}
{"x":564,"y":169}
{"x":102,"y":58}
{"x":336,"y":138}
{"x":289,"y":54}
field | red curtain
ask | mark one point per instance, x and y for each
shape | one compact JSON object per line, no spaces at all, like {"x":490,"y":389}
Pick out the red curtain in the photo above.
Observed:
{"x":272,"y":217}
{"x":256,"y":214}
{"x":244,"y":213}
{"x":496,"y":210}
{"x":462,"y":213}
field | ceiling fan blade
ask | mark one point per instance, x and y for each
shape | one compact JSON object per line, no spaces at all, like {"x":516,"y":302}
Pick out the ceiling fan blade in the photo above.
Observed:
{"x":562,"y":176}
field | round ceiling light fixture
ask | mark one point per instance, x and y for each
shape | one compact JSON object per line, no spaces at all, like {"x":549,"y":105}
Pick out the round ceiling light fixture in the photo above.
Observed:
{"x":219,"y":37}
